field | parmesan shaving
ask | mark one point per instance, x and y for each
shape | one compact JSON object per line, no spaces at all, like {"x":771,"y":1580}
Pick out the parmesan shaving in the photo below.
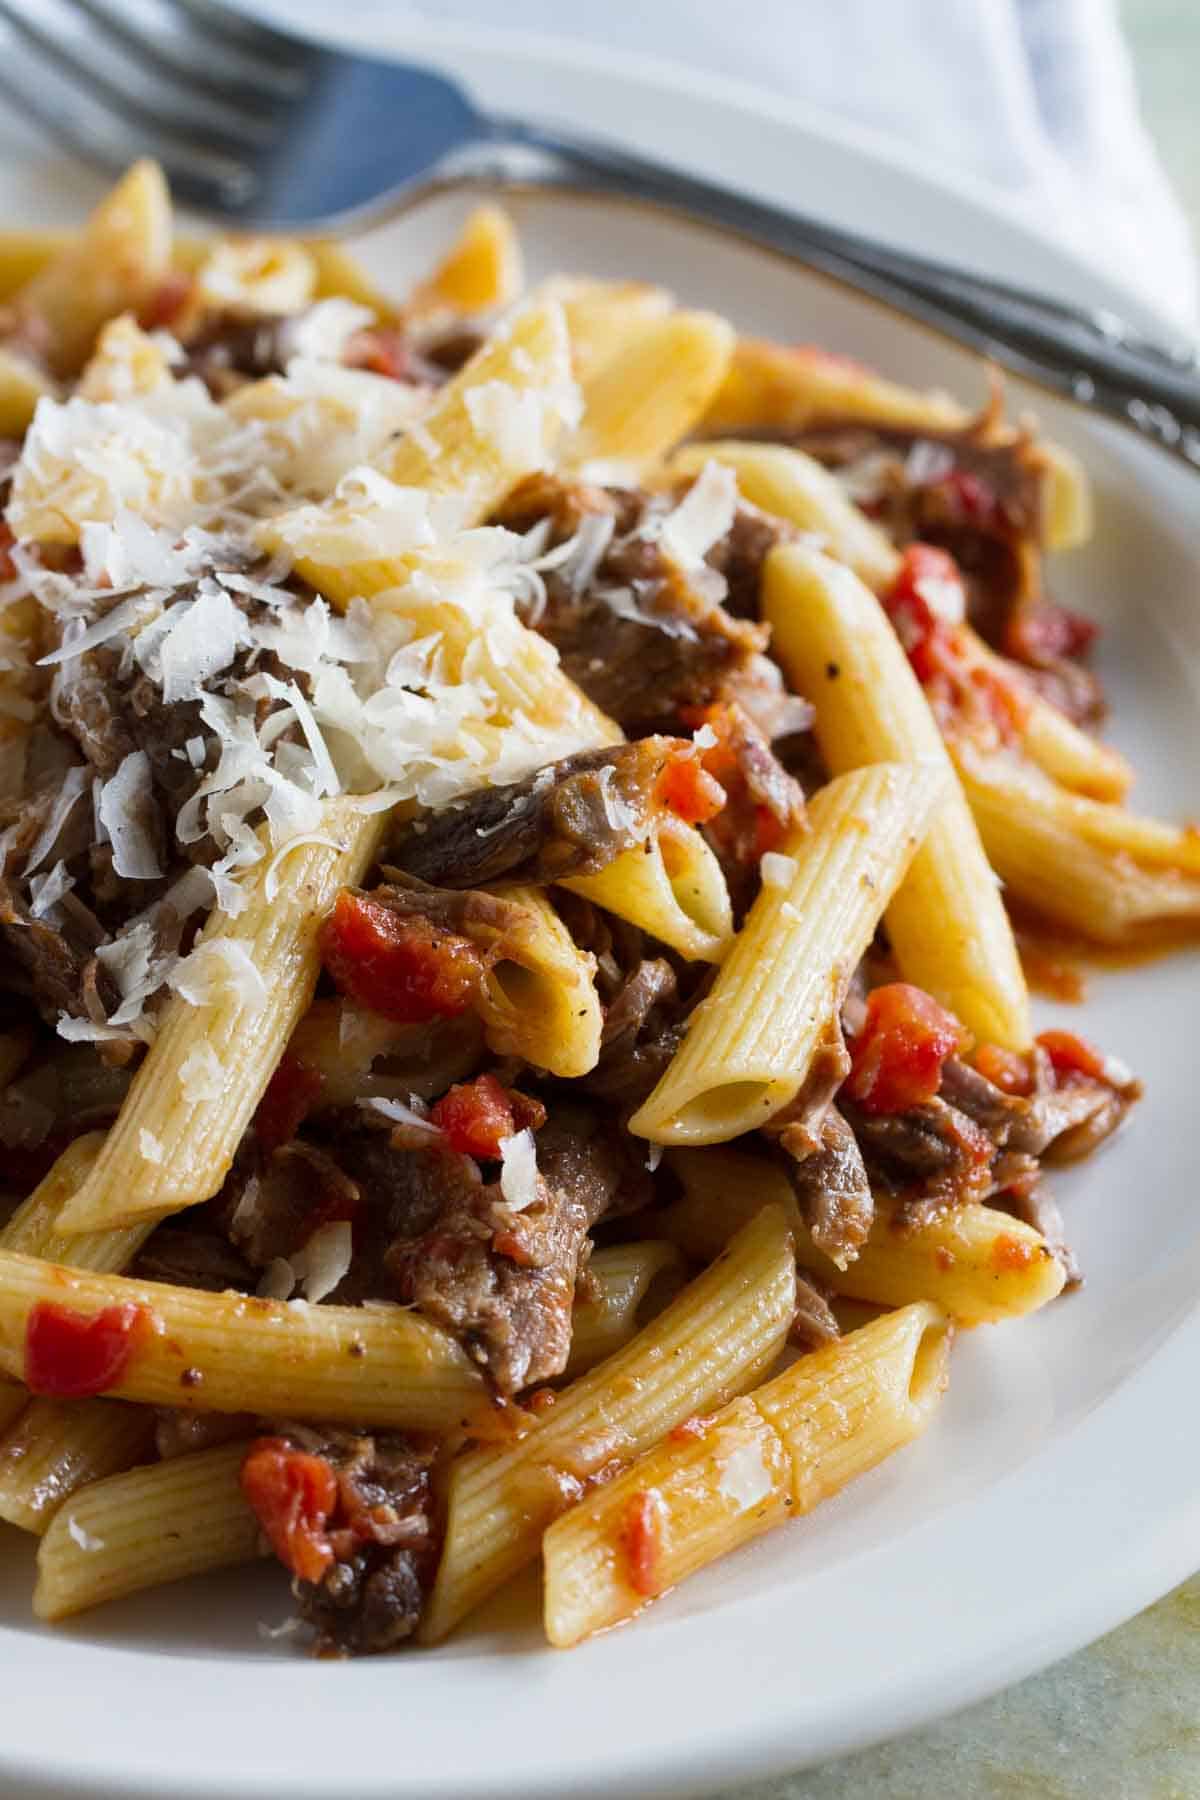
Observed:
{"x":326,"y":1259}
{"x":79,"y":1534}
{"x":777,"y":870}
{"x":518,"y":1170}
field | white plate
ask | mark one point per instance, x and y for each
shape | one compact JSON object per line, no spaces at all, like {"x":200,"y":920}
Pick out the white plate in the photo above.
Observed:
{"x":1060,"y":1489}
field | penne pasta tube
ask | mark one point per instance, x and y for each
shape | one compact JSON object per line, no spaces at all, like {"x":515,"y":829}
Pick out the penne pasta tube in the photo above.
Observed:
{"x":831,"y":1417}
{"x":141,"y":1529}
{"x":602,"y":316}
{"x":22,"y":385}
{"x":1153,"y":843}
{"x":174,"y":1140}
{"x":978,"y":1264}
{"x":618,"y":1279}
{"x":651,"y":390}
{"x":690,"y":1501}
{"x":947,"y":923}
{"x":1046,"y":861}
{"x":672,"y":886}
{"x":482,"y":269}
{"x":795,"y":487}
{"x":713,"y":1341}
{"x":230,"y":1352}
{"x":57,"y":1447}
{"x":268,"y":276}
{"x":749,"y":1044}
{"x":338,"y":274}
{"x":1072,"y":757}
{"x":494,"y":423}
{"x":113,"y":266}
{"x":539,"y":1000}
{"x":841,"y":1410}
{"x":33,"y":1231}
{"x":787,"y":387}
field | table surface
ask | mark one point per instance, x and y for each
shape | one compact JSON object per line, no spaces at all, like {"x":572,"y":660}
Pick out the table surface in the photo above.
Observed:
{"x":1119,"y":1720}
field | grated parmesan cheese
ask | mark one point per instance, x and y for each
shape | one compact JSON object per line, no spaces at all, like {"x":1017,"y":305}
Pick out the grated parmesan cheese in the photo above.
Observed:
{"x":745,"y":1478}
{"x":79,"y":1534}
{"x":150,"y":1146}
{"x":518,"y":1170}
{"x":777,"y":870}
{"x":325,"y":1259}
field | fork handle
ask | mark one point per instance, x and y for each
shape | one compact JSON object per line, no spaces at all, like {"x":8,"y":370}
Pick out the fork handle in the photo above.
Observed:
{"x":1090,"y":357}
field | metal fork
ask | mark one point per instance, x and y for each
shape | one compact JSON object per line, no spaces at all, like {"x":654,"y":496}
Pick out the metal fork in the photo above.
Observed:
{"x":257,"y":126}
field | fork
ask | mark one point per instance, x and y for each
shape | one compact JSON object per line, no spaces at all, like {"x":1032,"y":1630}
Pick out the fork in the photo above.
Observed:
{"x":259,"y":127}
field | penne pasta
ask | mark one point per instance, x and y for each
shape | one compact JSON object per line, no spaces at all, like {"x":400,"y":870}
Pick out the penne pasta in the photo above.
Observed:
{"x":496,"y":422}
{"x":787,"y":388}
{"x":139,"y":1530}
{"x":1066,"y":860}
{"x":256,"y":275}
{"x":947,"y":924}
{"x":602,"y":316}
{"x":539,"y":1000}
{"x":749,"y":1044}
{"x":651,"y":390}
{"x":57,"y":1447}
{"x":830,"y":1418}
{"x":978,"y":1264}
{"x":34,"y":1230}
{"x":691,"y":1500}
{"x":113,"y":266}
{"x":713,"y":1341}
{"x":618,"y":1280}
{"x":377,"y":1364}
{"x":482,"y":269}
{"x":796,"y":488}
{"x":241,"y":1032}
{"x":22,"y":385}
{"x":672,"y":886}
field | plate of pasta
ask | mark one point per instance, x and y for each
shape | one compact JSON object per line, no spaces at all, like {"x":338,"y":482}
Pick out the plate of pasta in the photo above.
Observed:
{"x":534,"y":803}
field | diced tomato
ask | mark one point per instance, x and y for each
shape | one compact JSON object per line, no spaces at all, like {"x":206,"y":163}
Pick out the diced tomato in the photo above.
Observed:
{"x":971,"y":497}
{"x":70,"y":1354}
{"x":1044,"y":632}
{"x":383,"y":351}
{"x":8,"y":568}
{"x":769,"y":830}
{"x":292,"y":1092}
{"x":475,"y":1116}
{"x":403,"y":967}
{"x":641,"y":1540}
{"x":1070,"y":1055}
{"x":1006,"y":1069}
{"x":691,"y":792}
{"x":920,"y":628}
{"x":1011,"y":1254}
{"x":1005,"y":702}
{"x":896,"y":1059}
{"x":293,"y":1495}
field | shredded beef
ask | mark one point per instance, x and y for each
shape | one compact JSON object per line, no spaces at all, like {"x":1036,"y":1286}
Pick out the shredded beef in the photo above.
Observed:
{"x":570,"y":818}
{"x":55,"y":964}
{"x":928,"y":1157}
{"x":384,"y":1536}
{"x":813,"y":1323}
{"x":187,"y":1257}
{"x":637,"y":637}
{"x":502,"y":1280}
{"x":763,"y":803}
{"x":740,"y":554}
{"x":831,"y":1186}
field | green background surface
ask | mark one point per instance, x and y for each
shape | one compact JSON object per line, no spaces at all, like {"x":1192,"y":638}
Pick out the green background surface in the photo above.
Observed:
{"x":1121,"y":1720}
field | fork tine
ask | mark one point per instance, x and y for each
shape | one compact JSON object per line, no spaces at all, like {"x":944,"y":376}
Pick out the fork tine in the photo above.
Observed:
{"x":199,"y":177}
{"x":235,"y":82}
{"x":172,"y":126}
{"x":236,"y":28}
